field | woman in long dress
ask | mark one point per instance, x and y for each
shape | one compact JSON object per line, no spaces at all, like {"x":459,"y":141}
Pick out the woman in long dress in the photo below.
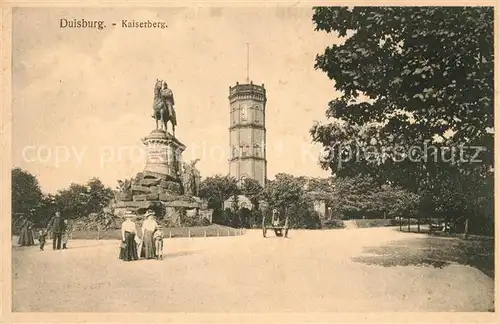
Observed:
{"x":148,"y":244}
{"x":128,"y":251}
{"x":26,"y":236}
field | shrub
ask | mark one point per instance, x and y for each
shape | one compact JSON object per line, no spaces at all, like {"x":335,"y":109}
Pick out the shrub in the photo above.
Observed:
{"x":333,"y":223}
{"x":205,"y":221}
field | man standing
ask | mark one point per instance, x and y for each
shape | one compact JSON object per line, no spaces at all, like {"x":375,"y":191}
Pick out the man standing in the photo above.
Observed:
{"x":56,"y":225}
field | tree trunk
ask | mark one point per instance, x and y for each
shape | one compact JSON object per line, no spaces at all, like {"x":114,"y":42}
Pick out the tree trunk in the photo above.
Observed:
{"x":409,"y":222}
{"x":466,"y":228}
{"x":418,"y":224}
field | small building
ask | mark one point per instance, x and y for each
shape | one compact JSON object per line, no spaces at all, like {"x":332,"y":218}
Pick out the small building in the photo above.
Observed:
{"x":320,"y":204}
{"x":243,"y":202}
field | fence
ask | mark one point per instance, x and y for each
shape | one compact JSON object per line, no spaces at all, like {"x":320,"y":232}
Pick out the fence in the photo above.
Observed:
{"x":174,"y":232}
{"x":435,"y":225}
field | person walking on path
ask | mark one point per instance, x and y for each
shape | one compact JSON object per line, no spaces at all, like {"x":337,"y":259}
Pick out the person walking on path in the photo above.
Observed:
{"x":42,"y":235}
{"x":128,"y":248}
{"x":26,"y":237}
{"x":148,"y":228}
{"x":66,"y":234}
{"x":56,"y":225}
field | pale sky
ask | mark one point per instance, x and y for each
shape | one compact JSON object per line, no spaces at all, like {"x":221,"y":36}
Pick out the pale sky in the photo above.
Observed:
{"x":86,"y":94}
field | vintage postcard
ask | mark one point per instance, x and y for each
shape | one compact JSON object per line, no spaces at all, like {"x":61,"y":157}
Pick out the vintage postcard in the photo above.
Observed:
{"x":268,"y":162}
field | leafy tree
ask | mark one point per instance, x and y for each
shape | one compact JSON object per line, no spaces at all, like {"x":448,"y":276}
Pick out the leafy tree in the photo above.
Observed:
{"x":362,"y":196}
{"x":72,"y":202}
{"x":217,"y":189}
{"x":410,"y":76}
{"x":46,"y":211}
{"x":27,"y":196}
{"x":252,"y":189}
{"x":286,"y":193}
{"x":433,"y":62}
{"x":226,"y":217}
{"x":98,"y":195}
{"x":353,"y":197}
{"x":81,"y":200}
{"x":322,"y":186}
{"x":392,"y":201}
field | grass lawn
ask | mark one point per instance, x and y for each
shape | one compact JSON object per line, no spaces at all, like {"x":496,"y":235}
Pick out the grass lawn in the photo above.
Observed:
{"x":365,"y":223}
{"x":437,"y":251}
{"x":195,"y":231}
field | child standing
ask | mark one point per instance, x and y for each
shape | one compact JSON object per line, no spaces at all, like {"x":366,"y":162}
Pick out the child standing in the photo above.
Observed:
{"x":42,"y":236}
{"x":158,"y":237}
{"x":66,"y":234}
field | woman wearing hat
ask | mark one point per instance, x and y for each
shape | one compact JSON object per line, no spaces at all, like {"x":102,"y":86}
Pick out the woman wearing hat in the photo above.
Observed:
{"x":26,"y":236}
{"x":128,"y":252}
{"x":148,"y":228}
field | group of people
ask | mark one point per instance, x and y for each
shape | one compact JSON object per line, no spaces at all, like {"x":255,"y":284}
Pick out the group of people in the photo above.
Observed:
{"x":145,"y":243}
{"x":150,"y":243}
{"x":57,"y":226}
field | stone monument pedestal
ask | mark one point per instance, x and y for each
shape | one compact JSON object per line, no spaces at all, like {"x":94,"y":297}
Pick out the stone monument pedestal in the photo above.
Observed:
{"x":160,"y":182}
{"x":164,"y":153}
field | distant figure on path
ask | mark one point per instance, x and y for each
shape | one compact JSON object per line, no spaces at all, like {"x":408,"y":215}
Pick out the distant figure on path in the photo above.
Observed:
{"x":26,"y":236}
{"x":66,"y":233}
{"x":42,"y":237}
{"x":148,"y":228}
{"x":128,"y":251}
{"x":56,"y":225}
{"x":158,"y":237}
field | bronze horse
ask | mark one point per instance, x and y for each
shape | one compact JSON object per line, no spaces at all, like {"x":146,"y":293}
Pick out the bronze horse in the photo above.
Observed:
{"x":163,"y":109}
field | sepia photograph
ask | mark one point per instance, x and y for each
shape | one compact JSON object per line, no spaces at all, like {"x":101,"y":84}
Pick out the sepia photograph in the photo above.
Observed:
{"x":257,"y":159}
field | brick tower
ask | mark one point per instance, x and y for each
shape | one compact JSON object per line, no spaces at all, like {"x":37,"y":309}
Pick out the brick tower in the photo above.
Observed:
{"x":247,"y":132}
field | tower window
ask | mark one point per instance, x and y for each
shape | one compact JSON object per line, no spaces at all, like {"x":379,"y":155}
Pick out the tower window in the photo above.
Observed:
{"x":257,"y":114}
{"x":244,"y":150}
{"x":235,"y":151}
{"x":257,"y":151}
{"x":243,"y":113}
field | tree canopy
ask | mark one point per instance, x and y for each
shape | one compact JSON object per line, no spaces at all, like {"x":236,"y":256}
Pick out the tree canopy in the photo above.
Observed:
{"x":217,"y":189}
{"x":288,"y":195}
{"x":81,"y":200}
{"x":417,"y":96}
{"x":26,"y":193}
{"x":433,"y":62}
{"x":252,"y":189}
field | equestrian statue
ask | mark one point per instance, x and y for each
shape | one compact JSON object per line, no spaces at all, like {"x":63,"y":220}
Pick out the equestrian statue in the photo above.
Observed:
{"x":163,"y":106}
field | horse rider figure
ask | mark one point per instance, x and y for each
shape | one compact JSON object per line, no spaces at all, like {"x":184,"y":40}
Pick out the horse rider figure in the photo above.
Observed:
{"x":164,"y":105}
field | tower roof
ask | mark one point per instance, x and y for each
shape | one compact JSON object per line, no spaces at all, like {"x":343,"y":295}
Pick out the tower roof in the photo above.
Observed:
{"x":245,"y":89}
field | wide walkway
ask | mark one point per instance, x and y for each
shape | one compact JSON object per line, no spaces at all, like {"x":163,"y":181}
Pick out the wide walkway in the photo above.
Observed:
{"x":312,"y":271}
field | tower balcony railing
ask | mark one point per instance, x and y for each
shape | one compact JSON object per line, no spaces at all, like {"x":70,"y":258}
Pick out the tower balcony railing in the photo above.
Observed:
{"x":247,"y":88}
{"x":247,"y":157}
{"x":248,"y":124}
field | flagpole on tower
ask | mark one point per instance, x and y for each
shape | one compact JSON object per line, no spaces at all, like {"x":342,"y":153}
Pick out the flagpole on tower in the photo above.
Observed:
{"x":248,"y":62}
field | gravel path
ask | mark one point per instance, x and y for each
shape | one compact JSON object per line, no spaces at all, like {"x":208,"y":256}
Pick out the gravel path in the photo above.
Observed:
{"x":350,"y":224}
{"x":312,"y":271}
